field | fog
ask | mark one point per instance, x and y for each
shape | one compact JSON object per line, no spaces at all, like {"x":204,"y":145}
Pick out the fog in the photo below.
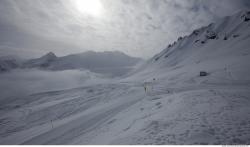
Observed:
{"x":24,"y":82}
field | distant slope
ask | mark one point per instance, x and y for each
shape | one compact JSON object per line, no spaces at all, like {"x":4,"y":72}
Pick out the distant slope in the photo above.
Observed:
{"x":42,"y":62}
{"x":113,"y":63}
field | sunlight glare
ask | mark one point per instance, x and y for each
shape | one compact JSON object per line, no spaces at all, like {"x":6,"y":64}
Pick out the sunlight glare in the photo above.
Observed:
{"x":90,"y":7}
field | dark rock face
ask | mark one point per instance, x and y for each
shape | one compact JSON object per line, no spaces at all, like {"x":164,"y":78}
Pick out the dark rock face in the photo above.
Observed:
{"x":180,"y":38}
{"x":246,"y":16}
{"x":247,"y":19}
{"x":197,"y":40}
{"x":156,"y":59}
{"x":196,"y":32}
{"x":203,"y":74}
{"x":211,"y":35}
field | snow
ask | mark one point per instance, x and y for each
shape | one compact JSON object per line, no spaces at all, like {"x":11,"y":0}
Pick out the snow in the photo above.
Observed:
{"x":110,"y":63}
{"x":178,"y":107}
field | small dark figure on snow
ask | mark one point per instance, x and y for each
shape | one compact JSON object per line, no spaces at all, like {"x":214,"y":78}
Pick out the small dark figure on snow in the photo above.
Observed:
{"x":203,"y":74}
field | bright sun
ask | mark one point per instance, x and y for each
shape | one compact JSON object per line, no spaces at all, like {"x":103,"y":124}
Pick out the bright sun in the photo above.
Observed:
{"x":91,"y":7}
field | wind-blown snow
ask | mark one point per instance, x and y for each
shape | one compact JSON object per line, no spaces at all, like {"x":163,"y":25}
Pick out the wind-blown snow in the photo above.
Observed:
{"x":178,"y":107}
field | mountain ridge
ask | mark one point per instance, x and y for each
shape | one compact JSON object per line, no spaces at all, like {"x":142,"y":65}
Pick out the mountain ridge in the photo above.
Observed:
{"x":99,"y":62}
{"x":227,"y":40}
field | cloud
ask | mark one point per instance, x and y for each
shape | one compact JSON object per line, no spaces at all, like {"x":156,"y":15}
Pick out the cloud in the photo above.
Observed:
{"x":24,"y":82}
{"x":137,"y":27}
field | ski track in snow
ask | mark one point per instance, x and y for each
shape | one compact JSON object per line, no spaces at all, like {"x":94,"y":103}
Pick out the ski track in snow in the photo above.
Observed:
{"x":69,"y":131}
{"x":210,"y":125}
{"x":68,"y":122}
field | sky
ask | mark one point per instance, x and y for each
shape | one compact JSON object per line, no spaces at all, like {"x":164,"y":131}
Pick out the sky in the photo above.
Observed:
{"x":141,"y":28}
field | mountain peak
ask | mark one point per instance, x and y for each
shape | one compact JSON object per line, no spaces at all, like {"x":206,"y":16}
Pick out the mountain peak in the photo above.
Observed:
{"x":245,"y":15}
{"x":225,"y":32}
{"x":50,"y":55}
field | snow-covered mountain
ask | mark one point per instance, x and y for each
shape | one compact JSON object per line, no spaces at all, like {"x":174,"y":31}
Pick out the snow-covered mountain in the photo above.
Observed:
{"x":164,"y":101}
{"x":8,"y":63}
{"x":221,"y":49}
{"x":114,"y":63}
{"x":42,"y":62}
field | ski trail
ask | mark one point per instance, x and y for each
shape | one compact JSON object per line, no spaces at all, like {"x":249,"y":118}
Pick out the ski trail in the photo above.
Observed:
{"x":65,"y":133}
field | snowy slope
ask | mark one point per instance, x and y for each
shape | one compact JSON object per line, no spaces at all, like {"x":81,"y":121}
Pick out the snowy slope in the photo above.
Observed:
{"x":198,"y":51}
{"x":179,"y":106}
